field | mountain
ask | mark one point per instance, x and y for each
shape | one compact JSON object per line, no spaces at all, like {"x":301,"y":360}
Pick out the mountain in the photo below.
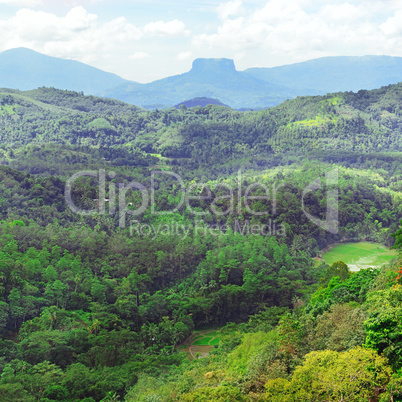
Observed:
{"x":334,"y":74}
{"x":200,"y":102}
{"x":26,"y":69}
{"x":334,"y":125}
{"x":211,"y":78}
{"x":254,"y":88}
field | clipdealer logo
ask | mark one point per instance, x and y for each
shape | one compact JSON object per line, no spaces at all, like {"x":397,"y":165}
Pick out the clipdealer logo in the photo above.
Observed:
{"x":331,"y":222}
{"x":118,"y":194}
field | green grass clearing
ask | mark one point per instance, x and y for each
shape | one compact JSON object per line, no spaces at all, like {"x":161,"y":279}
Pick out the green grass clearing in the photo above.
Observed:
{"x":203,"y":341}
{"x":360,"y":255}
{"x":206,"y":338}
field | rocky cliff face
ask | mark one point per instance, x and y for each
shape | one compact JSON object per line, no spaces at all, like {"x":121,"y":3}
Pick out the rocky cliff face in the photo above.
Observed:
{"x":213,"y":65}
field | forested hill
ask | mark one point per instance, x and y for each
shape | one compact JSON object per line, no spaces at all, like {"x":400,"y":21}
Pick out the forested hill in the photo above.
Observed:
{"x":362,"y":122}
{"x":96,"y":307}
{"x":55,"y":133}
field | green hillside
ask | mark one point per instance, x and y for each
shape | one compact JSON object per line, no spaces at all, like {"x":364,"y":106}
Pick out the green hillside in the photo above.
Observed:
{"x":222,"y":299}
{"x":343,"y":123}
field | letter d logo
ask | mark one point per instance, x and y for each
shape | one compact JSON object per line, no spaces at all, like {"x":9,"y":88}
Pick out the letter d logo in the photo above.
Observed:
{"x":331,"y":222}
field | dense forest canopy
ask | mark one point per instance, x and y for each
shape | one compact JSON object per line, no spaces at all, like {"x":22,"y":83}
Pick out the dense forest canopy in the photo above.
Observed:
{"x":91,"y":309}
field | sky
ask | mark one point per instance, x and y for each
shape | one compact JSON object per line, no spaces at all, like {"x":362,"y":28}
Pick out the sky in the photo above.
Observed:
{"x":145,"y":40}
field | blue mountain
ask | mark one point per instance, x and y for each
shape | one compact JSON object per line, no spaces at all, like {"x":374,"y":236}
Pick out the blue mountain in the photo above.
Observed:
{"x":208,"y":78}
{"x":254,"y":88}
{"x":26,"y":69}
{"x":334,"y":74}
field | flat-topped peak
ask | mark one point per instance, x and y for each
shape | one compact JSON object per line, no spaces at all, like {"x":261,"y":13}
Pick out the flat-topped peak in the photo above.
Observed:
{"x":213,"y":64}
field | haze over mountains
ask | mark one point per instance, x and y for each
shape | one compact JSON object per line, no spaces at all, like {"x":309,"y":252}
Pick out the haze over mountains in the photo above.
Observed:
{"x":211,"y":78}
{"x":26,"y":69}
{"x":334,"y":74}
{"x":254,"y":88}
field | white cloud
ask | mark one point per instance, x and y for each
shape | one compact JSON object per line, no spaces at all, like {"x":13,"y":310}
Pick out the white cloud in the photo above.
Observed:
{"x":277,"y":11}
{"x":22,"y":3}
{"x":392,"y":27}
{"x":184,"y":56}
{"x":296,"y":30}
{"x":230,"y":9}
{"x":79,"y":35}
{"x":343,"y":13}
{"x":171,"y":28}
{"x":139,"y":56}
{"x":239,"y":56}
{"x":263,"y":32}
{"x":76,"y":35}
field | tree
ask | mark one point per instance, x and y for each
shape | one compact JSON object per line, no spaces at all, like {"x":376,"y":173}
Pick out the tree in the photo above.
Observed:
{"x":16,"y":310}
{"x":356,"y":375}
{"x":15,"y":392}
{"x":50,"y":274}
{"x":219,"y":394}
{"x":4,"y":312}
{"x":339,"y":269}
{"x":59,"y":290}
{"x":398,"y":237}
{"x":384,"y":324}
{"x":78,"y":380}
{"x":179,"y":332}
{"x":98,"y":290}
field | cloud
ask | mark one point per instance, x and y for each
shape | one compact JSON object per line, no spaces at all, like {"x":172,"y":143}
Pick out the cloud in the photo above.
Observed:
{"x":139,"y":56}
{"x":171,"y":28}
{"x":343,"y":13}
{"x":72,"y":3}
{"x":230,"y":9}
{"x":22,"y":3}
{"x":78,"y":34}
{"x":184,"y":56}
{"x":296,"y":30}
{"x":263,"y":32}
{"x":392,"y":27}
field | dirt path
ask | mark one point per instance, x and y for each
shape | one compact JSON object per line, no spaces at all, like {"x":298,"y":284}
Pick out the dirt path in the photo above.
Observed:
{"x":202,"y":350}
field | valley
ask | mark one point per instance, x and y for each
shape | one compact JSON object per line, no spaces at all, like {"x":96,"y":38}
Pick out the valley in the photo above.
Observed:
{"x":139,"y":259}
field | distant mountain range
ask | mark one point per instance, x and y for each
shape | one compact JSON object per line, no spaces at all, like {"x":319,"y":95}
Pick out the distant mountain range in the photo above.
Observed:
{"x":26,"y":69}
{"x":210,"y":78}
{"x":334,"y":74}
{"x":217,"y":79}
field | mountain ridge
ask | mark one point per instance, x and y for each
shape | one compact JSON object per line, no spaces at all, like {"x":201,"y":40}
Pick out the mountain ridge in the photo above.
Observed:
{"x":25,"y":69}
{"x":334,"y":74}
{"x":253,"y":88}
{"x":210,"y":78}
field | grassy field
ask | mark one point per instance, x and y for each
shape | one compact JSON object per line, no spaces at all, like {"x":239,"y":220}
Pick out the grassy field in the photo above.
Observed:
{"x":200,"y":343}
{"x":207,"y":338}
{"x":360,"y":255}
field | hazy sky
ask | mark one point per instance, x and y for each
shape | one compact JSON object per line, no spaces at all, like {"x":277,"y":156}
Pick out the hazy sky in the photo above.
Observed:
{"x":144,"y":40}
